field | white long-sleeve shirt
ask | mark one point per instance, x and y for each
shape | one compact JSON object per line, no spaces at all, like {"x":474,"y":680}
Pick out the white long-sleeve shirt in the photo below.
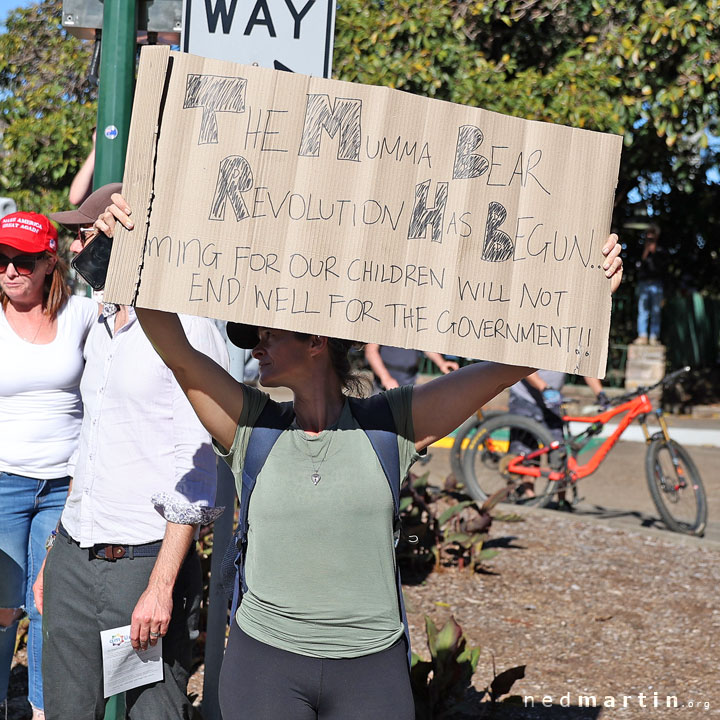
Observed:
{"x":140,"y":439}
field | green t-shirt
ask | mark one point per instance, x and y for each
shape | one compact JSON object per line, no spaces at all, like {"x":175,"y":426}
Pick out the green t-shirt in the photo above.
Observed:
{"x":320,"y":565}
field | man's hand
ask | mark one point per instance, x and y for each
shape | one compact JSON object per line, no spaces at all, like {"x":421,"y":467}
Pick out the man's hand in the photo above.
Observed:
{"x":38,"y":587}
{"x":445,"y":366}
{"x":152,"y":613}
{"x":151,"y":616}
{"x":552,"y":397}
{"x":448,"y":366}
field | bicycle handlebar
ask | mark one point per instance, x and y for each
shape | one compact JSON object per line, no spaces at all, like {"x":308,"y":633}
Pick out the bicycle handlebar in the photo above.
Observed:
{"x":643,"y":389}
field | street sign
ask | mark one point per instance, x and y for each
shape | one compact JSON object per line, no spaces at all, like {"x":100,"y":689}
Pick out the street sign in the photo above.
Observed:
{"x":295,"y":35}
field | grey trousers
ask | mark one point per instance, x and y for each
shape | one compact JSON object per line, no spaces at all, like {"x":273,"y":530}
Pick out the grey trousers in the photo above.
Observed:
{"x":83,"y":597}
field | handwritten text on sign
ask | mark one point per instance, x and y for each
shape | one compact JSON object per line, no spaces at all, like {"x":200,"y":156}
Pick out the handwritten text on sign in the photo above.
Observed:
{"x":367,"y":213}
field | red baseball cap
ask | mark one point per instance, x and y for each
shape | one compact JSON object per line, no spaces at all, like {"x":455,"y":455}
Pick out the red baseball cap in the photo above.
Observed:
{"x":28,"y":232}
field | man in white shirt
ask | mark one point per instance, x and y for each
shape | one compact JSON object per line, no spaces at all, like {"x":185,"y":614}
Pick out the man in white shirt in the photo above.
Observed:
{"x":144,"y":479}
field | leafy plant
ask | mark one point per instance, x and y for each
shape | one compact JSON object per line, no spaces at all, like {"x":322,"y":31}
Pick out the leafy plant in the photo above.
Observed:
{"x":22,"y":634}
{"x":441,"y":527}
{"x":440,"y":685}
{"x":47,"y":107}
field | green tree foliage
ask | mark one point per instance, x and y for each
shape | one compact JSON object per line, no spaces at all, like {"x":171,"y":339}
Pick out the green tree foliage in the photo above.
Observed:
{"x":641,"y":68}
{"x":47,"y":107}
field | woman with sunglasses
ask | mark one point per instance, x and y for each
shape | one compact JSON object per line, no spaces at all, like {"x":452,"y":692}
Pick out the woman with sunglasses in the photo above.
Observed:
{"x":42,"y":334}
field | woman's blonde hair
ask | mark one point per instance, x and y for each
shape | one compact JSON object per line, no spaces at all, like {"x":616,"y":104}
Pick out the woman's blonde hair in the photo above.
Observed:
{"x":56,"y":291}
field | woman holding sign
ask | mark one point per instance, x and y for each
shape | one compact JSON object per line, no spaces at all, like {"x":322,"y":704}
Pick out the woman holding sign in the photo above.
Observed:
{"x":319,"y":632}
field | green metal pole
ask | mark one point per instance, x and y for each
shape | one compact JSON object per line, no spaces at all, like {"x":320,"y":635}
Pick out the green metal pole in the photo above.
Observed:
{"x":117,"y":76}
{"x":117,"y":79}
{"x":115,"y":708}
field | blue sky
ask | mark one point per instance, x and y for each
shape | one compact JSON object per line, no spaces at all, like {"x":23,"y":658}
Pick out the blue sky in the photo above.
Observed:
{"x":6,"y":6}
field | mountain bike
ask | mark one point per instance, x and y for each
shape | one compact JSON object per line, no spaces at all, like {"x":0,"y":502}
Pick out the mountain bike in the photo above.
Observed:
{"x":511,"y":454}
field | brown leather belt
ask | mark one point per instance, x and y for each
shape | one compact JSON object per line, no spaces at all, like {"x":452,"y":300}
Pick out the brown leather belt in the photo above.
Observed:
{"x":111,"y":553}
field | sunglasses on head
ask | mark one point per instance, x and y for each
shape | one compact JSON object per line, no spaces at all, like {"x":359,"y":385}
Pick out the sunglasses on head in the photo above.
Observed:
{"x":23,"y":264}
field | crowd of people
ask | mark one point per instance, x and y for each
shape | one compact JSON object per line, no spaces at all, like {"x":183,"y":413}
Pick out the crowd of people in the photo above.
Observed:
{"x":110,"y":421}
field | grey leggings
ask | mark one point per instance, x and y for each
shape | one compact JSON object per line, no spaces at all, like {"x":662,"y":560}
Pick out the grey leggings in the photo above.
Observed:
{"x":261,"y":682}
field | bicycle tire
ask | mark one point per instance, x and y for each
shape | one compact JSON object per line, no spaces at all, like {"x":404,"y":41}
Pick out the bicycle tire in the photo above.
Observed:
{"x":683,"y":510}
{"x":465,"y":432}
{"x":489,"y":452}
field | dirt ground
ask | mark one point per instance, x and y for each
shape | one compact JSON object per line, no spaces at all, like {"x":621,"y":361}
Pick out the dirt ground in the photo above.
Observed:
{"x":595,"y":609}
{"x":591,"y":610}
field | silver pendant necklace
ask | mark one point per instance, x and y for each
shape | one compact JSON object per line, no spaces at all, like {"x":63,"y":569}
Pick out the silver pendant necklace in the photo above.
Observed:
{"x":316,"y":477}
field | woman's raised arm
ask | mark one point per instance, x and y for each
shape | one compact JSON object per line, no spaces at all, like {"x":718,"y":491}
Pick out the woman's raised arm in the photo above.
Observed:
{"x":443,"y":404}
{"x":214,"y":394}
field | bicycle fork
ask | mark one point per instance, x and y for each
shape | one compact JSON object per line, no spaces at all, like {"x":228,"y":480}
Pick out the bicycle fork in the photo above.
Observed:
{"x":665,"y":434}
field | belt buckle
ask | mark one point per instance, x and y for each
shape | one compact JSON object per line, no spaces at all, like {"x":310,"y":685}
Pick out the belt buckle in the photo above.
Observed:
{"x":112,"y":552}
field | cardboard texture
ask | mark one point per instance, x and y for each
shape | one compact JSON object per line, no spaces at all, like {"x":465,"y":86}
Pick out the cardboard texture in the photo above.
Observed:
{"x":365,"y":213}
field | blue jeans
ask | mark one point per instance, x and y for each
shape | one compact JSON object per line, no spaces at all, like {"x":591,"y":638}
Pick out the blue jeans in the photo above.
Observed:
{"x":29,"y":510}
{"x":650,"y":297}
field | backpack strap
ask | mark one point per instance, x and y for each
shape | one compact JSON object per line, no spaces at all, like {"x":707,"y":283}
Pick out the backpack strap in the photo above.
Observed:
{"x":375,"y":417}
{"x":273,"y":420}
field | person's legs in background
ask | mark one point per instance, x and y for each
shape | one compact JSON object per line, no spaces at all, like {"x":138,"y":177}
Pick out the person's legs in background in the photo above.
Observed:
{"x":14,"y":533}
{"x":522,"y":442}
{"x":29,"y":510}
{"x":643,"y":314}
{"x":655,"y":298}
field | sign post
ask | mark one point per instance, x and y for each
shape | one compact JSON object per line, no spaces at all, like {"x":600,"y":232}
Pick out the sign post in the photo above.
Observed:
{"x":115,"y":91}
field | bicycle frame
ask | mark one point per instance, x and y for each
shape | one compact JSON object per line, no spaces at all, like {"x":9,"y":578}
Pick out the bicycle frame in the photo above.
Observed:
{"x":636,"y":408}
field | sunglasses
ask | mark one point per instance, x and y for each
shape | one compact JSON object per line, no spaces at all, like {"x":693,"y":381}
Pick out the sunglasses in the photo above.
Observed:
{"x":23,"y":264}
{"x":85,"y":234}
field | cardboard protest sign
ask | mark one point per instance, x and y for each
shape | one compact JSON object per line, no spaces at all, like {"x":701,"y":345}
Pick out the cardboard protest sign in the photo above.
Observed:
{"x":365,"y":213}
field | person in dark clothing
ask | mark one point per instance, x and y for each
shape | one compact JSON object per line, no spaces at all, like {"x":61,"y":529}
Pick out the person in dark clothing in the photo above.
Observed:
{"x":650,"y":271}
{"x":539,"y":396}
{"x":394,"y":366}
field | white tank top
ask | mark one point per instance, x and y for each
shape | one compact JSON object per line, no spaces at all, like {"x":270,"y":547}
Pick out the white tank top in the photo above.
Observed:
{"x":40,"y":406}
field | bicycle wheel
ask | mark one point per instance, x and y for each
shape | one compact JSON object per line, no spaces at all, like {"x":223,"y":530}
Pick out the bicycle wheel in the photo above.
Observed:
{"x":677,"y":491}
{"x":496,"y":442}
{"x":463,"y":433}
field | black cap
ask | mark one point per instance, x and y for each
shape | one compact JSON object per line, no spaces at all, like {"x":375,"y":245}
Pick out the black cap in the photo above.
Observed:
{"x":241,"y":335}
